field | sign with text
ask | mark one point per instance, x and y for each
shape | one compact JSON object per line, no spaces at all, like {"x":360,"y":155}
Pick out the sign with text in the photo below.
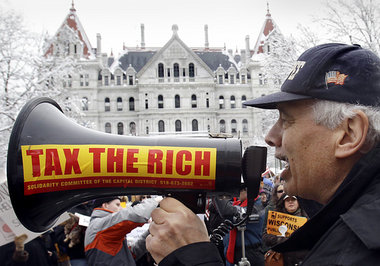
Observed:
{"x":52,"y":167}
{"x":283,"y":224}
{"x":10,"y":226}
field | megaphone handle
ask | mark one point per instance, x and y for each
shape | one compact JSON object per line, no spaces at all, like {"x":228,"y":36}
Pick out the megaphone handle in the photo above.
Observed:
{"x":196,"y":202}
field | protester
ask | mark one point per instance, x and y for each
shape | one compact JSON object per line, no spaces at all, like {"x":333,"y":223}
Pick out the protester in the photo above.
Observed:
{"x":105,"y":239}
{"x":287,"y":205}
{"x":252,"y":235}
{"x":328,"y":132}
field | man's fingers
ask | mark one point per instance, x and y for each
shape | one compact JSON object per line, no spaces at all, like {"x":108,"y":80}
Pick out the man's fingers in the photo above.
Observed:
{"x":172,"y":205}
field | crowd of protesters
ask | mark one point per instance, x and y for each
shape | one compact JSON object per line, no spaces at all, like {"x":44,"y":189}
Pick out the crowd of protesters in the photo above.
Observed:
{"x":104,"y":241}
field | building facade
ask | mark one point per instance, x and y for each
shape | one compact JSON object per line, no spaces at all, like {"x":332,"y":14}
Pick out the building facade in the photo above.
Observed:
{"x":174,"y":89}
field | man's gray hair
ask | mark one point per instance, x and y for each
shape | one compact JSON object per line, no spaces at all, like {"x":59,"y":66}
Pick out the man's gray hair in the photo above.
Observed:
{"x":331,"y":115}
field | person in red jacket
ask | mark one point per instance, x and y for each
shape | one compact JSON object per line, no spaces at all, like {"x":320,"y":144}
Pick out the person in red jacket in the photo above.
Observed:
{"x":105,"y":239}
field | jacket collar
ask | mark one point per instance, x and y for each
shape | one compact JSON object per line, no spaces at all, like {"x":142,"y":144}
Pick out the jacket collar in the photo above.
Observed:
{"x":348,"y":201}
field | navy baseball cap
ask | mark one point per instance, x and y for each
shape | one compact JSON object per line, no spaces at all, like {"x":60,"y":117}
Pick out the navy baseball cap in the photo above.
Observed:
{"x":333,"y":71}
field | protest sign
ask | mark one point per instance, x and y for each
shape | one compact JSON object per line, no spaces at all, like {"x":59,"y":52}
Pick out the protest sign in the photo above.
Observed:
{"x":283,"y":224}
{"x":10,"y":226}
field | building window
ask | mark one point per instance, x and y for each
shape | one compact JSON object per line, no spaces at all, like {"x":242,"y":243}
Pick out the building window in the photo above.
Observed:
{"x":161,"y":126}
{"x":194,"y":125}
{"x":243,"y":99}
{"x":147,"y":130}
{"x":84,"y":104}
{"x":120,"y":128}
{"x":245,"y":126}
{"x":84,"y":80}
{"x":242,"y":80}
{"x":220,"y":79}
{"x":107,"y":127}
{"x":119,"y":104}
{"x":118,"y":80}
{"x":184,"y":72}
{"x":131,"y":104}
{"x":106,"y":80}
{"x":207,"y":103}
{"x":176,"y":70}
{"x":107,"y":105}
{"x":178,"y":126}
{"x":130,"y":80}
{"x":193,"y":101}
{"x":160,"y":101}
{"x":233,"y":126}
{"x":146,"y":104}
{"x":177,"y":101}
{"x":233,"y":103}
{"x":132,"y":128}
{"x":160,"y":70}
{"x":191,"y":70}
{"x":232,"y":79}
{"x":222,"y":126}
{"x":221,"y":102}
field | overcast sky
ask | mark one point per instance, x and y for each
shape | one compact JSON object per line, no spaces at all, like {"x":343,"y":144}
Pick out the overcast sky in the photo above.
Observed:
{"x":118,"y":21}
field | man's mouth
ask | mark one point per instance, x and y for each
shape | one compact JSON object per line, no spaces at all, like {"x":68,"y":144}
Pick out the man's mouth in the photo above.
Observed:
{"x":285,"y":162}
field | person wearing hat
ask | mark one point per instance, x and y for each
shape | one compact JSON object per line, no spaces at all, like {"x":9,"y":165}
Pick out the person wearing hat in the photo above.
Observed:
{"x":328,"y":132}
{"x":105,"y":239}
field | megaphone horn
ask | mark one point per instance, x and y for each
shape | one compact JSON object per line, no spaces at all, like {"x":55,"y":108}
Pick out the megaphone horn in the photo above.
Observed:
{"x":54,"y":164}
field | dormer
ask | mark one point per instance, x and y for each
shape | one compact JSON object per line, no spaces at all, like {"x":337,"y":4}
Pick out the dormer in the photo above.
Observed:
{"x":106,"y":77}
{"x":119,"y":77}
{"x":220,"y":73}
{"x":231,"y":75}
{"x":131,"y":75}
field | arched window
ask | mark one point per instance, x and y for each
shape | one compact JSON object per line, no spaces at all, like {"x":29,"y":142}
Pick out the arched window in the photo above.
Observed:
{"x":221,"y":102}
{"x":160,"y":101}
{"x":222,"y":126}
{"x":119,"y":104}
{"x":232,"y":101}
{"x":194,"y":125}
{"x":107,"y":127}
{"x":160,"y":70}
{"x":176,"y":70}
{"x":193,"y":101}
{"x":191,"y":70}
{"x":243,"y":99}
{"x":178,"y":126}
{"x":84,"y":104}
{"x":132,"y":128}
{"x":107,"y":105}
{"x":131,"y":104}
{"x":233,"y":126}
{"x":177,"y":101}
{"x":120,"y":128}
{"x":245,"y":126}
{"x":161,"y":126}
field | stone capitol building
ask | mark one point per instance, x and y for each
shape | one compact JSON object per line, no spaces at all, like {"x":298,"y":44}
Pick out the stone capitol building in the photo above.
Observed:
{"x":169,"y":90}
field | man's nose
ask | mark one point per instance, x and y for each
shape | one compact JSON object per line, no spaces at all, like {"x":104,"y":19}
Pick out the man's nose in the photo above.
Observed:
{"x":273,"y":138}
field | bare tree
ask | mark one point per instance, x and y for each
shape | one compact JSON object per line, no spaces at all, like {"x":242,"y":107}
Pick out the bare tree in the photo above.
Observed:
{"x":25,"y":73}
{"x":355,"y":21}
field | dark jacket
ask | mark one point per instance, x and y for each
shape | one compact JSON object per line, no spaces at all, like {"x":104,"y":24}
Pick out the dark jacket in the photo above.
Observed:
{"x":345,"y":231}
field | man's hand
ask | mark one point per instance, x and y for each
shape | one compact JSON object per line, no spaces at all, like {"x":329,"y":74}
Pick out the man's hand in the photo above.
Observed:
{"x":173,"y":226}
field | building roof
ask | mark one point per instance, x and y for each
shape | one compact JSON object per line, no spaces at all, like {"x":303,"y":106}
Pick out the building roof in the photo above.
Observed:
{"x":72,"y":21}
{"x":268,"y":26}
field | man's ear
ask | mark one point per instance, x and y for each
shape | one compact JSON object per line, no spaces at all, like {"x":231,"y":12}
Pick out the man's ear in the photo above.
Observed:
{"x":352,"y":134}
